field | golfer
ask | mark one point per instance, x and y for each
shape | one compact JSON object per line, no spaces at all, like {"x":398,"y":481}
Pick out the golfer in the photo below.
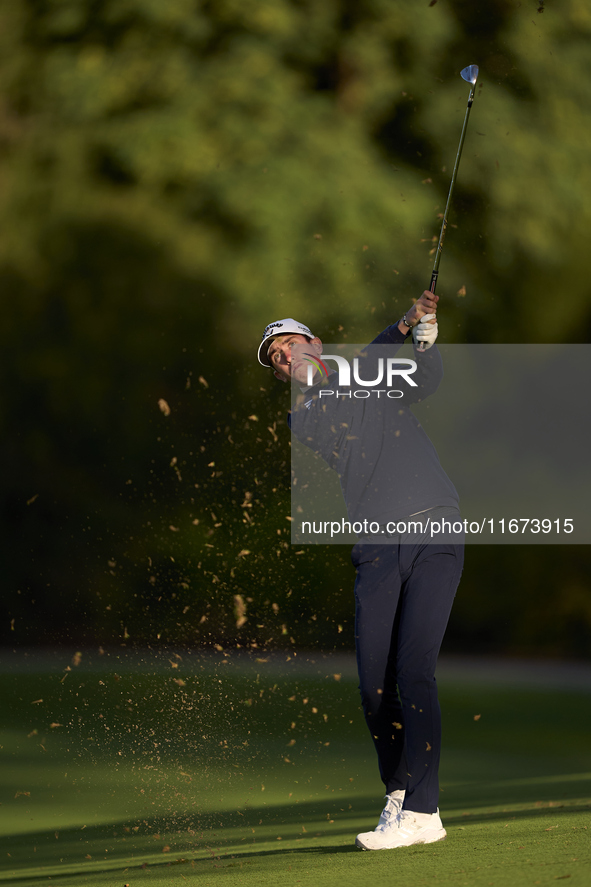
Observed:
{"x":406,"y":580}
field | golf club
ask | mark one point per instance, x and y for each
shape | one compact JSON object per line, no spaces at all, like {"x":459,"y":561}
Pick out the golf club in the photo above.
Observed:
{"x":470,"y":75}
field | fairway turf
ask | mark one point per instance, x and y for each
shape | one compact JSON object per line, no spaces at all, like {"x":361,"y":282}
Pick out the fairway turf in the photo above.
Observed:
{"x":183,"y":768}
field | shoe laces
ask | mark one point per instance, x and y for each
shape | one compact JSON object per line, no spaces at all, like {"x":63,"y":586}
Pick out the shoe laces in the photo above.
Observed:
{"x":389,"y":815}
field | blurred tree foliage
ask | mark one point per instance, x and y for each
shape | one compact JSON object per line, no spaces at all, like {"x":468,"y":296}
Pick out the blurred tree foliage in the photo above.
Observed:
{"x":173,"y":176}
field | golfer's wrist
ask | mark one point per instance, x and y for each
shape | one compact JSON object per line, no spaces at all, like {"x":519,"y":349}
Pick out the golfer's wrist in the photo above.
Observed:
{"x":404,"y":326}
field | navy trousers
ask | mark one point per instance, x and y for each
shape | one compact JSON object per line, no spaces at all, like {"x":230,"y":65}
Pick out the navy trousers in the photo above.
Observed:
{"x":404,"y":594}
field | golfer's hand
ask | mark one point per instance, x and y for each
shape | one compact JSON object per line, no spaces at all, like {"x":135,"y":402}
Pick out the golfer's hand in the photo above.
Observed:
{"x":425,"y":332}
{"x":426,"y":304}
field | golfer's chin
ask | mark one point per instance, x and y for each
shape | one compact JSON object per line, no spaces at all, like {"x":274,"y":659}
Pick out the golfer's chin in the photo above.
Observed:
{"x":299,"y":374}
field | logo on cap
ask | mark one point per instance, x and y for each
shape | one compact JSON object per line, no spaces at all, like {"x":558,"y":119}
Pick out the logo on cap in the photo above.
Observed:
{"x":272,"y":325}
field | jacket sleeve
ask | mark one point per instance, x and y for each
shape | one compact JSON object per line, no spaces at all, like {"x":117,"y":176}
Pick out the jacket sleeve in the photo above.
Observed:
{"x":429,"y":371}
{"x":390,"y":336}
{"x":428,"y":375}
{"x":320,"y":426}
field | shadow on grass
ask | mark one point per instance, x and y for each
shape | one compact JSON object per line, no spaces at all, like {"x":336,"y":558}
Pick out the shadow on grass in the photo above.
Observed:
{"x":537,"y":795}
{"x":533,"y":791}
{"x":215,"y":843}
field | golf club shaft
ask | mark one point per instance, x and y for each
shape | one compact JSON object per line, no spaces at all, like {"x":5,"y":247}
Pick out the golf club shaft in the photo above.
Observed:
{"x":435,"y":272}
{"x":438,"y":251}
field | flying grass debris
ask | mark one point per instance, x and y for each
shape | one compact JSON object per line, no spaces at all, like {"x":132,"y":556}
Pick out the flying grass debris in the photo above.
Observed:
{"x":239,"y":610}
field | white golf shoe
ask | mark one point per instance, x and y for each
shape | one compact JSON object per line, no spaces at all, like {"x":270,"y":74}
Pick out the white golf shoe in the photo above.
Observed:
{"x":402,"y":830}
{"x":387,"y":817}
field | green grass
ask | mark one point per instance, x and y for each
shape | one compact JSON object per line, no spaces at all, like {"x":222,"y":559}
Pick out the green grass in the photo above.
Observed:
{"x":262,"y":775}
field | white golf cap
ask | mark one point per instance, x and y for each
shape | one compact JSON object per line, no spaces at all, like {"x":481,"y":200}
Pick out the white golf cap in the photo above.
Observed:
{"x":280,"y":328}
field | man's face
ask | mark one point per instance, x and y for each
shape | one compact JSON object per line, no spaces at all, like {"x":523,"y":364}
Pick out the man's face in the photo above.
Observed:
{"x":279,"y":354}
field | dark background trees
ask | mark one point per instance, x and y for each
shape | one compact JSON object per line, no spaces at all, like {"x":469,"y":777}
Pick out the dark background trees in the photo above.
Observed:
{"x":175,"y":175}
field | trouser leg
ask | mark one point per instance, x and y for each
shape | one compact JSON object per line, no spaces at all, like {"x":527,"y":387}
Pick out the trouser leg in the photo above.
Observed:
{"x":377,"y":593}
{"x":430,"y":578}
{"x":403,"y":601}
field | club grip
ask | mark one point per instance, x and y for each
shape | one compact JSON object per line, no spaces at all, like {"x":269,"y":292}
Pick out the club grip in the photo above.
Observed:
{"x":434,"y":276}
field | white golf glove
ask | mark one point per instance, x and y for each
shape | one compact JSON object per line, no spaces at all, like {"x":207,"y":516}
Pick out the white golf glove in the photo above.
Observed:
{"x":425,"y":332}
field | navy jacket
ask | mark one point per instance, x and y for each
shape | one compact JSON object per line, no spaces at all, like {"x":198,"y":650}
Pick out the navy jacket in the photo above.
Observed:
{"x":387,"y":466}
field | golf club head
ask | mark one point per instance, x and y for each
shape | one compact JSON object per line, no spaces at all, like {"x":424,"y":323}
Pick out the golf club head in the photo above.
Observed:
{"x":470,"y":74}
